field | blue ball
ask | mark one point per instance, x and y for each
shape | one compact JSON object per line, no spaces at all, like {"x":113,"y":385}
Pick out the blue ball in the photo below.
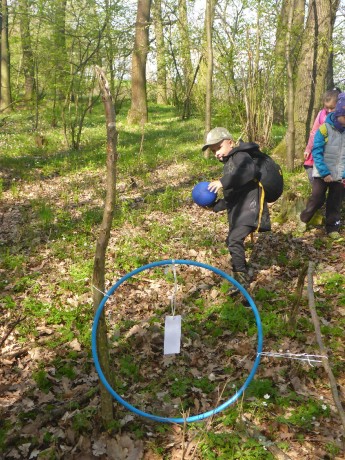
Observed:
{"x":202,"y":196}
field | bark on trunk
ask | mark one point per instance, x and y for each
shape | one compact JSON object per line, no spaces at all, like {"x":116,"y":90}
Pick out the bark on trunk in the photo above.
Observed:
{"x":98,"y":279}
{"x":5,"y":89}
{"x":138,"y":113}
{"x":162,"y":97}
{"x":210,"y":5}
{"x":290,"y":135}
{"x":185,"y":57}
{"x":27,"y":62}
{"x":312,"y":68}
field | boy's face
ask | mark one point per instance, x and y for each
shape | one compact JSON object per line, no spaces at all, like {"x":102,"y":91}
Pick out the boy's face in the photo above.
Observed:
{"x":341,"y":120}
{"x":222,"y":149}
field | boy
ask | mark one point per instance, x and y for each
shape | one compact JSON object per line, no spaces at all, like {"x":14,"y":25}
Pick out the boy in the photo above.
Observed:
{"x":247,"y":212}
{"x":329,"y":169}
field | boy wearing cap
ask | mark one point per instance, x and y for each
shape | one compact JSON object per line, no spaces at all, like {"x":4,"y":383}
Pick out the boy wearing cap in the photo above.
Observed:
{"x":329,"y":169}
{"x":247,"y":211}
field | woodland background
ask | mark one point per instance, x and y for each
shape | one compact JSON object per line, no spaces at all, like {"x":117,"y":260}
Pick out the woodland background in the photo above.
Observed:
{"x":174,"y":70}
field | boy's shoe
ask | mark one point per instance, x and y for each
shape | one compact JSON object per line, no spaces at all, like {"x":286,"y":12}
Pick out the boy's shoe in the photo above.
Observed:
{"x":301,"y":227}
{"x":335,"y":236}
{"x":241,"y":277}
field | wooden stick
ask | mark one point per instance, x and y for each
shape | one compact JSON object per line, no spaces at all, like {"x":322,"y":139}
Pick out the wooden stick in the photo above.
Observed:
{"x":11,"y":328}
{"x":298,"y":295}
{"x":325,"y":361}
{"x":98,"y":276}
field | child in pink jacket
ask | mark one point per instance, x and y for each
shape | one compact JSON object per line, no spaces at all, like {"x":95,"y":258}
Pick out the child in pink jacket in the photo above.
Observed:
{"x":329,"y":102}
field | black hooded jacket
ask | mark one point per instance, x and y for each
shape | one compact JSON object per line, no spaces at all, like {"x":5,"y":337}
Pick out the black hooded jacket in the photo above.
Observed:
{"x":241,"y":190}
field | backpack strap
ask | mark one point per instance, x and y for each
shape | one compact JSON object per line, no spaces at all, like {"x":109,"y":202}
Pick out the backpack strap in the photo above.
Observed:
{"x":261,"y":204}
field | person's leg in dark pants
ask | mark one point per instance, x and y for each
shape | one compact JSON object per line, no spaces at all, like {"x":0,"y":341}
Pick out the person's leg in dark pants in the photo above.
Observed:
{"x":333,"y":206}
{"x":316,"y":200}
{"x":309,"y":171}
{"x":236,"y":239}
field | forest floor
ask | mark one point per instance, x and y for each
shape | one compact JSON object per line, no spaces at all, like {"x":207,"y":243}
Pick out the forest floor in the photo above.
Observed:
{"x":49,"y":399}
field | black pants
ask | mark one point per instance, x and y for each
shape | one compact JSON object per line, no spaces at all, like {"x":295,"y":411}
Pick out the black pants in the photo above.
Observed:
{"x":333,"y":203}
{"x":235,"y":242}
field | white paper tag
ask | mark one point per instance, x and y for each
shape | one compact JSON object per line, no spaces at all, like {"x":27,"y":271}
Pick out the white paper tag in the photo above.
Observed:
{"x":172,"y":334}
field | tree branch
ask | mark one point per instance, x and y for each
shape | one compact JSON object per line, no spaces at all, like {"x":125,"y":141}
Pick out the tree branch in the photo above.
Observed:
{"x":325,"y":361}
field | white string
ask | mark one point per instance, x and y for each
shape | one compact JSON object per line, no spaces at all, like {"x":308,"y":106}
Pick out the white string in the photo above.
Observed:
{"x":105,"y":295}
{"x":173,"y":297}
{"x":298,"y":356}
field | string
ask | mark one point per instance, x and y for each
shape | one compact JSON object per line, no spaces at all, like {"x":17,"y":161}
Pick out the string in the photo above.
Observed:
{"x":105,"y":295}
{"x":298,"y":356}
{"x":173,"y":297}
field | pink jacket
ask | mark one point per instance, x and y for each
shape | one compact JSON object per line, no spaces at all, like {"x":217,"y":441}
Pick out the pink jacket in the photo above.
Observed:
{"x":319,"y":120}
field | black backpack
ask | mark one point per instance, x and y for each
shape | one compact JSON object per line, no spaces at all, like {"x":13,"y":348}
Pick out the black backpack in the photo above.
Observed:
{"x":271,"y":175}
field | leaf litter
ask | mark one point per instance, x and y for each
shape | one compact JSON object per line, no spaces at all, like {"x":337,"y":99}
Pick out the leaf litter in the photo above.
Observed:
{"x":215,"y":357}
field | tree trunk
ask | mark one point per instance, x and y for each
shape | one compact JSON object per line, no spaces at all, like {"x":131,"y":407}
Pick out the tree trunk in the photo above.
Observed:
{"x":27,"y":61}
{"x":187,"y":66}
{"x":290,"y":135}
{"x":161,"y":54}
{"x":107,"y":411}
{"x":279,"y":68}
{"x":330,"y":84}
{"x":109,"y":48}
{"x":138,"y":113}
{"x":59,"y":55}
{"x":59,"y":32}
{"x":210,"y":6}
{"x":312,"y":68}
{"x":280,"y":72}
{"x":297,"y":27}
{"x":5,"y":89}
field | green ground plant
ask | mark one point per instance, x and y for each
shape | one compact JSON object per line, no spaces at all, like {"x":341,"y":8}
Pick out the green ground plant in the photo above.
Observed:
{"x":46,"y":278}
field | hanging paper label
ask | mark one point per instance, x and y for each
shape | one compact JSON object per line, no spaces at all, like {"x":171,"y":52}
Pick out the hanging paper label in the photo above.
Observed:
{"x":172,"y":334}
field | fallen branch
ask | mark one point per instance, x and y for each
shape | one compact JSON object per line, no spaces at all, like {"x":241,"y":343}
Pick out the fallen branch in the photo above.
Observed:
{"x":325,"y":361}
{"x":298,"y":296}
{"x":11,"y":328}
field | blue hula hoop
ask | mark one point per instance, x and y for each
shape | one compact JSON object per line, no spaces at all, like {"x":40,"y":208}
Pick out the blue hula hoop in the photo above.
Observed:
{"x":194,"y":418}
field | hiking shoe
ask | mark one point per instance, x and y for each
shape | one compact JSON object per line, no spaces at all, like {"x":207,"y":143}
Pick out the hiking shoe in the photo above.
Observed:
{"x":301,"y":227}
{"x":334,"y":236}
{"x":241,"y":277}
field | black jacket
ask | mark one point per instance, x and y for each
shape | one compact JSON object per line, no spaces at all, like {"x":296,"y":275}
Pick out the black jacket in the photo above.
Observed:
{"x":242,"y":192}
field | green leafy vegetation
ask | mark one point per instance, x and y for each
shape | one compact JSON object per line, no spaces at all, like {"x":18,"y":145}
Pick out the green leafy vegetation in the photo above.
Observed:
{"x":47,"y":261}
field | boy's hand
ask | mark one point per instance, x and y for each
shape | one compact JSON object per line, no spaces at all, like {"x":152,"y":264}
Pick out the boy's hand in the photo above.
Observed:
{"x":306,"y":155}
{"x":215,"y":186}
{"x":328,"y":178}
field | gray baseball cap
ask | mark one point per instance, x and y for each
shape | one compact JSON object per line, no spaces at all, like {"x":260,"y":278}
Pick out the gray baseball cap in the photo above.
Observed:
{"x":216,"y":135}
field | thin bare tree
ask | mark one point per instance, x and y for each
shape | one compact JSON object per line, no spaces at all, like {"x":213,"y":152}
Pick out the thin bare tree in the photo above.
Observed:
{"x":98,"y":278}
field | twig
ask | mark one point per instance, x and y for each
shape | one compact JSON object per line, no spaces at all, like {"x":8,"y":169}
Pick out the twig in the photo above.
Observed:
{"x":141,"y":149}
{"x":298,"y":294}
{"x":12,"y":327}
{"x":325,"y":360}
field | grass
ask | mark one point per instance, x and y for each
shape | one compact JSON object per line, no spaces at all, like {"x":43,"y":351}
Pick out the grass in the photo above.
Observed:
{"x":46,"y":275}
